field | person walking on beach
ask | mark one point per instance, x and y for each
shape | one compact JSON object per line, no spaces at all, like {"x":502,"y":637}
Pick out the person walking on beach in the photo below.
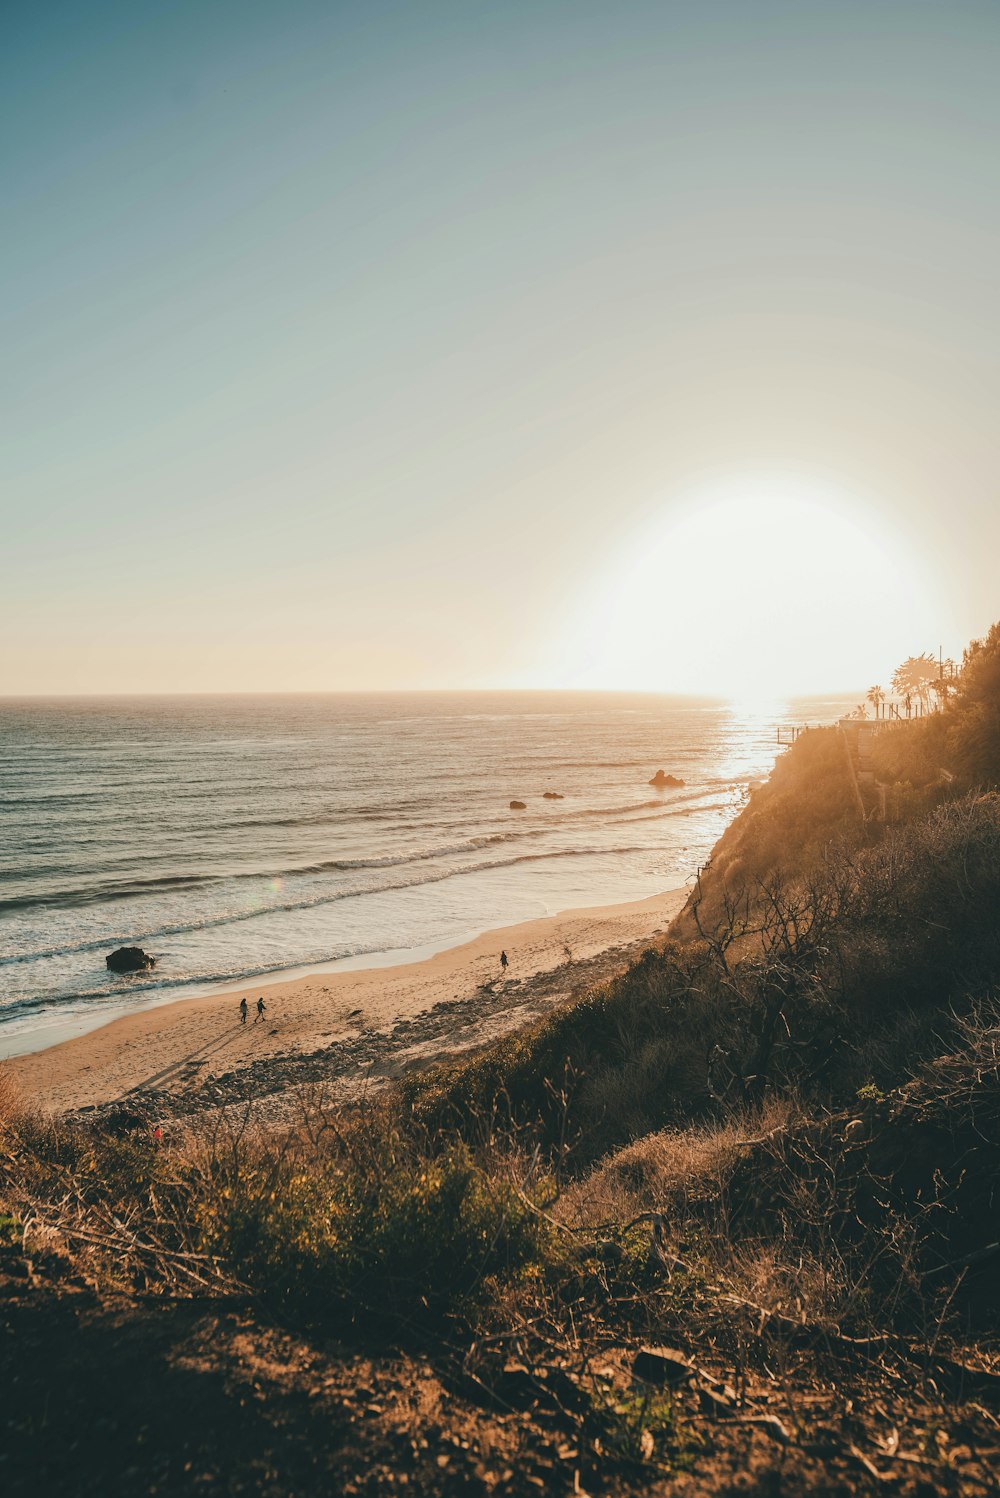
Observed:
{"x":260,"y":1008}
{"x":503,"y":962}
{"x":243,"y":1010}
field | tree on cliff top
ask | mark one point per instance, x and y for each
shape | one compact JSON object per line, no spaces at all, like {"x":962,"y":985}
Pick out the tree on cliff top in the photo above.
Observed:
{"x":914,"y":677}
{"x":876,"y":696}
{"x":961,"y":743}
{"x":974,"y":713}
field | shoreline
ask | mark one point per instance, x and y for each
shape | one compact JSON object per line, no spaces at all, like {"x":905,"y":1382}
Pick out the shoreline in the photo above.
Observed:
{"x":83,"y":1023}
{"x":337,"y":1021}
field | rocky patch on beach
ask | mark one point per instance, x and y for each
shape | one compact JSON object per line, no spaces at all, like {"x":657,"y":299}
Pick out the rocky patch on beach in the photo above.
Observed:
{"x":369,"y":1059}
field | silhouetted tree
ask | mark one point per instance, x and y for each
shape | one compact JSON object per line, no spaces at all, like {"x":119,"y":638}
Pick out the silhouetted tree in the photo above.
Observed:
{"x":946,"y":683}
{"x":974,"y":713}
{"x":876,"y":696}
{"x":914,"y":678}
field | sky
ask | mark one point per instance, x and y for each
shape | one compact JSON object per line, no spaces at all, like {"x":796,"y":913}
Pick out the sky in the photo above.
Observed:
{"x":368,"y":346}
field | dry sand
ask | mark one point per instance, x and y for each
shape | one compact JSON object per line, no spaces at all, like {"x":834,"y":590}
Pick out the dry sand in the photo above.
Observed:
{"x":348,"y":1027}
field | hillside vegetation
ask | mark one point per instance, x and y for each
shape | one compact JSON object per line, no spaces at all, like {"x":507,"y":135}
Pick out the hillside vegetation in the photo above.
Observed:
{"x":728,"y":1223}
{"x":959,"y":746}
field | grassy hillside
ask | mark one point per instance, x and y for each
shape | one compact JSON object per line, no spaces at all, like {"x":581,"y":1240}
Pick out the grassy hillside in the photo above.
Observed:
{"x":958,"y":747}
{"x":727,"y":1223}
{"x":807,"y":805}
{"x":854,"y":971}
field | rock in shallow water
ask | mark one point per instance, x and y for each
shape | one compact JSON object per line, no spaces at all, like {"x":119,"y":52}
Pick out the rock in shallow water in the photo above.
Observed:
{"x":660,"y":779}
{"x":129,"y":960}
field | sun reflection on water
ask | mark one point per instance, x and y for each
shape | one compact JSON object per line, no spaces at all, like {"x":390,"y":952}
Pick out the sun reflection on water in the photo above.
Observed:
{"x":750,"y":734}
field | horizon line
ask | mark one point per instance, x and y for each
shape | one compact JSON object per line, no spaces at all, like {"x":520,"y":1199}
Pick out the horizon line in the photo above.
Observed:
{"x":709,"y":696}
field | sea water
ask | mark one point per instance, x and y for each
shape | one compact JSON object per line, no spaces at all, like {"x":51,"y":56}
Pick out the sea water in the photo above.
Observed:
{"x":237,"y":836}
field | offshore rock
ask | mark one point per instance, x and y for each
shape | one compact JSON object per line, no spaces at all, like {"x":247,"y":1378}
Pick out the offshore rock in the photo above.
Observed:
{"x":552,"y":796}
{"x":129,"y":960}
{"x":519,"y":806}
{"x":660,"y":779}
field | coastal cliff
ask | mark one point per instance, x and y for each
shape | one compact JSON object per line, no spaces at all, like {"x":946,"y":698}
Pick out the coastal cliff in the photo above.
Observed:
{"x":726,"y":1217}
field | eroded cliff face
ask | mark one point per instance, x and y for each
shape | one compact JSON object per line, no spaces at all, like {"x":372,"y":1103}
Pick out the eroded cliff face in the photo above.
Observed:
{"x":806,"y":805}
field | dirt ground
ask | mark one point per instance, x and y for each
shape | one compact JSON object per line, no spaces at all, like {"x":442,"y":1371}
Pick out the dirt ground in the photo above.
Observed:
{"x":152,"y":1395}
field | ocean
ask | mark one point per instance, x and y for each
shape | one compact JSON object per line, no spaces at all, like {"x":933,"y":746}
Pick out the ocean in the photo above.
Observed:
{"x":238,"y":836}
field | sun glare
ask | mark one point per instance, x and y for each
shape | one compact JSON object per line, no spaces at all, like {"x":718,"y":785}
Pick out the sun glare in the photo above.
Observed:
{"x":752,"y":590}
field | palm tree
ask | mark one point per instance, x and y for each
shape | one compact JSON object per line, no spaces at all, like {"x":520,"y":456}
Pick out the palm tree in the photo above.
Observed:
{"x":914,"y":676}
{"x":876,"y":697}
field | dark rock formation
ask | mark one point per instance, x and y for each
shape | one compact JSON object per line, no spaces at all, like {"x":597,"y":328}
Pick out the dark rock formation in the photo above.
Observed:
{"x":660,"y":779}
{"x":122,"y":1119}
{"x":519,"y":806}
{"x":552,"y":796}
{"x":129,"y":960}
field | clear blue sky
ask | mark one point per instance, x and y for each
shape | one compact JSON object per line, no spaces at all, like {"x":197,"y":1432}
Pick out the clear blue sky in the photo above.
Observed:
{"x":367,"y":344}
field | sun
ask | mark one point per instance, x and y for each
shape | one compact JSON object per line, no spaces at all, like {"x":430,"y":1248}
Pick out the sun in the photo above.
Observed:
{"x":755,"y":589}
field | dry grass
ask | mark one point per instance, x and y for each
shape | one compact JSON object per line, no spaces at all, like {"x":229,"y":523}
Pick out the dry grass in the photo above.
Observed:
{"x":738,"y":1240}
{"x":671,"y":1170}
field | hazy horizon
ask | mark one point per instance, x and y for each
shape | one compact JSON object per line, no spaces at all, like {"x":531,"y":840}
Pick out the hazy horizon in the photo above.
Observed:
{"x":559,"y":346}
{"x":692,"y":699}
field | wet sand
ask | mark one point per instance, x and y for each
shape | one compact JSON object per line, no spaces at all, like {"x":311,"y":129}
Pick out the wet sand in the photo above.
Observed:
{"x":350,"y":1028}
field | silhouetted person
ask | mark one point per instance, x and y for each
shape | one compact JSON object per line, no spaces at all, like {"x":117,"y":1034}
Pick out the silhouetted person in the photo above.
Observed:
{"x":243,"y":1010}
{"x":260,"y":1008}
{"x":503,"y":962}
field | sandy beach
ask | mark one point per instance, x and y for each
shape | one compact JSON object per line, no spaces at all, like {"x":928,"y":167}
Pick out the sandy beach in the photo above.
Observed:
{"x":348,"y":1028}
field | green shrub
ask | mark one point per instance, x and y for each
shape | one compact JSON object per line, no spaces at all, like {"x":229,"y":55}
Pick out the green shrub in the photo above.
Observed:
{"x":382,"y":1230}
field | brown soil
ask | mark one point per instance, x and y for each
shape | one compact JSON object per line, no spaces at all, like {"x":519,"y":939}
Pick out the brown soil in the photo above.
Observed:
{"x":107,"y":1394}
